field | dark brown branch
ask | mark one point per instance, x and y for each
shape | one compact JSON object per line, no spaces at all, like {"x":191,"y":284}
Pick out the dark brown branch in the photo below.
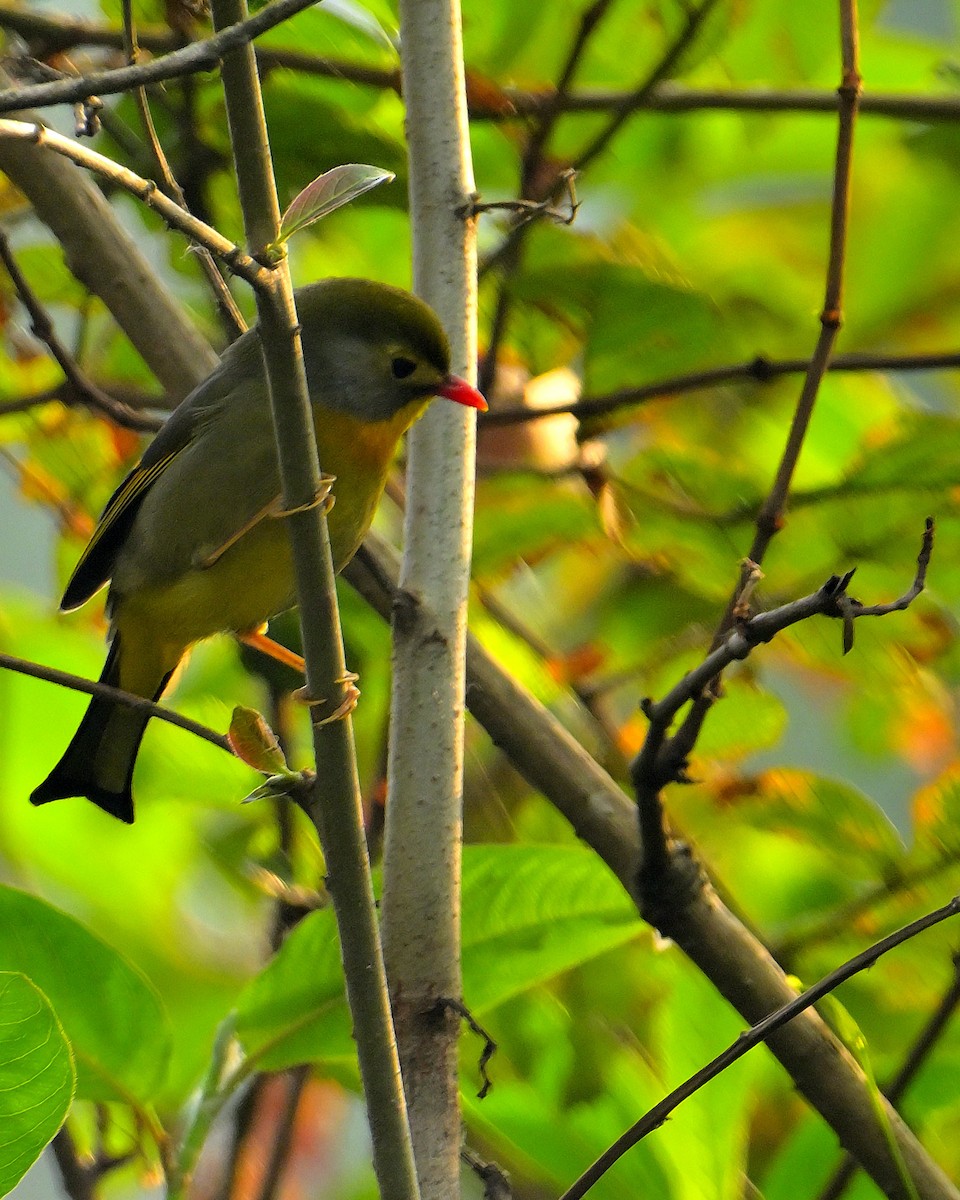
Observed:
{"x":919,"y":1053}
{"x":51,"y":34}
{"x":198,"y":56}
{"x":663,"y":760}
{"x":41,"y":325}
{"x":759,"y":369}
{"x":753,"y":1037}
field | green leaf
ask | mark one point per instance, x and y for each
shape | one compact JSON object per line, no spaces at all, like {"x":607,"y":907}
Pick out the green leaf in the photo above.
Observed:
{"x":294,"y":1010}
{"x":359,"y":17}
{"x":848,"y":828}
{"x":530,"y":912}
{"x":37,"y":1077}
{"x":114,"y":1019}
{"x":330,"y":191}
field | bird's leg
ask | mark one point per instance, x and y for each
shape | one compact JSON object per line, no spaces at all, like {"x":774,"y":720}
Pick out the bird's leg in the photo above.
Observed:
{"x":257,"y":639}
{"x":207,"y":558}
{"x":351,"y":694}
{"x":324,"y":498}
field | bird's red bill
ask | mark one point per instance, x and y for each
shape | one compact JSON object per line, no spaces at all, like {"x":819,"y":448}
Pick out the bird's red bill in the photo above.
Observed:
{"x":461,"y":392}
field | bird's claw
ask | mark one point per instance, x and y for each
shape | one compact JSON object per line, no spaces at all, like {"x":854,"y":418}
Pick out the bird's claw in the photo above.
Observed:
{"x":324,"y":499}
{"x":348,"y":701}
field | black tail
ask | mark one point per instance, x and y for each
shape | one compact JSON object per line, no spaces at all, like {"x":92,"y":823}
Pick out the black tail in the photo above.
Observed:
{"x":100,"y":759}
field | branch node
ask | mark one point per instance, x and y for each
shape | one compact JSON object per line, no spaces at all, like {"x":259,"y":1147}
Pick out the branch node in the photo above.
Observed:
{"x":664,"y":894}
{"x":831,"y":318}
{"x":470,"y":207}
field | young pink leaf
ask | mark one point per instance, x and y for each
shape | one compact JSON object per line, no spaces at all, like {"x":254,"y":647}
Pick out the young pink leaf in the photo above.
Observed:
{"x":329,"y":191}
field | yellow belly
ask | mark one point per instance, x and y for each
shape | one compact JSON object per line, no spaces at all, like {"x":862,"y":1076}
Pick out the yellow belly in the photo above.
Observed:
{"x":253,"y":580}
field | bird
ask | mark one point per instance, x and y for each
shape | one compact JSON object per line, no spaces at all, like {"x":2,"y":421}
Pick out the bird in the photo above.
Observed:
{"x":193,"y":542}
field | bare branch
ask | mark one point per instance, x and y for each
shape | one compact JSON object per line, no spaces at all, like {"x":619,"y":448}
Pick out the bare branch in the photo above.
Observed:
{"x":753,"y":1037}
{"x":198,"y":56}
{"x":146,"y":191}
{"x":706,"y":931}
{"x":919,"y":1052}
{"x":226,"y":305}
{"x":77,"y":683}
{"x":41,"y":325}
{"x":760,"y":369}
{"x":52,"y":34}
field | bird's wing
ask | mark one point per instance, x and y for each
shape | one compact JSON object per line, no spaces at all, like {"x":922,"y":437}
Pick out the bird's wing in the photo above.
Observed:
{"x":180,"y":429}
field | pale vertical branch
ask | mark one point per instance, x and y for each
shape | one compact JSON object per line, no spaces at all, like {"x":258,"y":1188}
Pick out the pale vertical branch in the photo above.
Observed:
{"x":334,"y":806}
{"x":421,"y":907}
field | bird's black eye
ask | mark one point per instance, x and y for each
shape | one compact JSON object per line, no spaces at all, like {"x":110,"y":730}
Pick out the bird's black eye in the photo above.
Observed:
{"x":402,"y":367}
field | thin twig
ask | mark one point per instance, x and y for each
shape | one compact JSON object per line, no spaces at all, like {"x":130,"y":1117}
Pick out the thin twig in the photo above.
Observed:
{"x":233,"y":321}
{"x":695,"y":17}
{"x":508,"y":256}
{"x":663,"y":760}
{"x":146,"y":191}
{"x":831,"y":318}
{"x":532,"y":191}
{"x":759,"y":369}
{"x":198,"y":56}
{"x":627,"y":105}
{"x":243,"y":1115}
{"x":919,"y":1052}
{"x":53,"y":34}
{"x":843,"y":918}
{"x":77,"y":683}
{"x":295,"y":1080}
{"x":753,"y":1037}
{"x":42,"y":326}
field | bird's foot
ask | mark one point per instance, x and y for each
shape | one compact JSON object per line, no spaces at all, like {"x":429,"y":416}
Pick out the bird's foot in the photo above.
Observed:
{"x":348,"y":701}
{"x":324,"y":499}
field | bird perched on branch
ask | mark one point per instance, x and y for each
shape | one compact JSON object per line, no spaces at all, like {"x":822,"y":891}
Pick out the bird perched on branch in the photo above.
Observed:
{"x":193,"y":541}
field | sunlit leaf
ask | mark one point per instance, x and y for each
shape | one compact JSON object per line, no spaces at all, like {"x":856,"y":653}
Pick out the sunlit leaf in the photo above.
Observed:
{"x":112,"y":1016}
{"x":530,"y":912}
{"x":360,"y":17}
{"x":329,"y":192}
{"x":36,"y":1076}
